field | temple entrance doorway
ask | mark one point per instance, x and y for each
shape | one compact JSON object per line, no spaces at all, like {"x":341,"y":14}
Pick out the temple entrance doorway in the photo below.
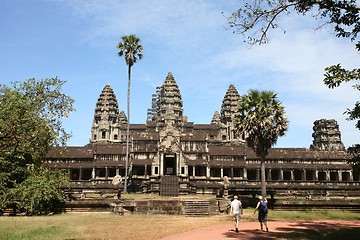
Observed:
{"x":170,"y":164}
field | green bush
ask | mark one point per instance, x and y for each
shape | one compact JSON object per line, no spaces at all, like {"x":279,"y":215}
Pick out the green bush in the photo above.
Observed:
{"x":40,"y":193}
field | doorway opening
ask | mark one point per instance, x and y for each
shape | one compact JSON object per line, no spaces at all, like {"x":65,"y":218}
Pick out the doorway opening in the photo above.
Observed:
{"x":170,"y":164}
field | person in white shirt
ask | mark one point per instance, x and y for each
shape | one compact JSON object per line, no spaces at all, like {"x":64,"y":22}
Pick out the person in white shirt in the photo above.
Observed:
{"x":236,"y":211}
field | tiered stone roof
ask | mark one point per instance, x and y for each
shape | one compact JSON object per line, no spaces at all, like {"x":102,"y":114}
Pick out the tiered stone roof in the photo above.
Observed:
{"x":229,"y":104}
{"x":170,"y":105}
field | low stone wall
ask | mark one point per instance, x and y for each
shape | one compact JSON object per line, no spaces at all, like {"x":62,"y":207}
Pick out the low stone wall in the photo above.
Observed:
{"x":216,"y":206}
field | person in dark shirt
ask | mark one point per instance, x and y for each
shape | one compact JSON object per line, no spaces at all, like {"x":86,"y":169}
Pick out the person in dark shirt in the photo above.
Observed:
{"x":262,"y":209}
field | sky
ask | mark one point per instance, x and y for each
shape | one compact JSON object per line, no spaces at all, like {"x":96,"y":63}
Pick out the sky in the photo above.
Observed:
{"x":75,"y":40}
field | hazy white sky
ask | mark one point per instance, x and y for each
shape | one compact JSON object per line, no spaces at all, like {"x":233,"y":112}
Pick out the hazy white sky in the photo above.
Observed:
{"x":76,"y":41}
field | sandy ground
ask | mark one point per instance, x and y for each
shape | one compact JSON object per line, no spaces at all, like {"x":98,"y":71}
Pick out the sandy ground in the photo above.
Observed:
{"x":250,"y":230}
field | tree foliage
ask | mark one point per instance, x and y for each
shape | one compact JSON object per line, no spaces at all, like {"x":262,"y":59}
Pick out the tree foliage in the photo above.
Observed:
{"x":31,"y":116}
{"x":261,"y":119}
{"x":40,"y":193}
{"x":254,"y":19}
{"x":130,"y":48}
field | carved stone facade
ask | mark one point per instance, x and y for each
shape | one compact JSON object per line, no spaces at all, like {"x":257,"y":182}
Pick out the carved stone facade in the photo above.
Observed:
{"x":199,"y":155}
{"x":327,"y":135}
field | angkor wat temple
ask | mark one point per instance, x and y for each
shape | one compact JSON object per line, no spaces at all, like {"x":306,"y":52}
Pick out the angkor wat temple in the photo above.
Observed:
{"x":170,"y":156}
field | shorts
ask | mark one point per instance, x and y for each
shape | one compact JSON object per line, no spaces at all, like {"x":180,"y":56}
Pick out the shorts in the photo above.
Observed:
{"x":262,"y":217}
{"x":236,"y":216}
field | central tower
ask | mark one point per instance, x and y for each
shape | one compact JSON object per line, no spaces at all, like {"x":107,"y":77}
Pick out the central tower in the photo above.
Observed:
{"x":169,"y":121}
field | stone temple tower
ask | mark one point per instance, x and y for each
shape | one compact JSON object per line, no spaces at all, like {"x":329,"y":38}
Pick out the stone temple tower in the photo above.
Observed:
{"x":169,"y":116}
{"x":228,"y":109}
{"x":106,"y":126}
{"x":326,"y":136}
{"x":170,"y":105}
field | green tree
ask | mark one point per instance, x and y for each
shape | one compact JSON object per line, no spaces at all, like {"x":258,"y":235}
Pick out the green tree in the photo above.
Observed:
{"x":131,"y":49}
{"x":254,"y":19}
{"x":41,"y":193}
{"x":30,"y":123}
{"x":261,"y":119}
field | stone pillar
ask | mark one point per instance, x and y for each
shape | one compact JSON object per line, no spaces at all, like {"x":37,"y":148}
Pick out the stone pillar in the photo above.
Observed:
{"x":258,"y":175}
{"x":106,"y":172}
{"x":80,"y":173}
{"x":222,"y":172}
{"x":292,"y":175}
{"x":245,"y":174}
{"x":340,"y":175}
{"x":232,"y":172}
{"x":316,"y":177}
{"x":351,"y":176}
{"x":281,"y":177}
{"x":161,"y":165}
{"x":327,"y":175}
{"x":207,"y":171}
{"x":269,"y":178}
{"x":194,"y":171}
{"x":303,"y":175}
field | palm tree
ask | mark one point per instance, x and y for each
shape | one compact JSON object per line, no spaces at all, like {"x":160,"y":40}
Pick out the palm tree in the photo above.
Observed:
{"x":261,"y":119}
{"x":131,"y":48}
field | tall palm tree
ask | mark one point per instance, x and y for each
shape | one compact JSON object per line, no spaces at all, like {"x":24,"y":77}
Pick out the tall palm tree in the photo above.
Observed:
{"x":261,"y":119}
{"x":131,"y":48}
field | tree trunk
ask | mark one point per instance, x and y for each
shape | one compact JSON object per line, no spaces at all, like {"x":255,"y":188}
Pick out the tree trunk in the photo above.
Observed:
{"x":263,"y":175}
{"x":127,"y":132}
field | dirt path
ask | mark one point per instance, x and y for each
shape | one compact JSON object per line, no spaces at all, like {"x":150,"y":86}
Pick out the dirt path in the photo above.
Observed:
{"x":250,"y":230}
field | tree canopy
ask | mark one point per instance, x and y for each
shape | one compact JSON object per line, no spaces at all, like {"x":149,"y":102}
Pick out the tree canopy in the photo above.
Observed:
{"x":131,"y":48}
{"x":31,"y":116}
{"x":255,"y":19}
{"x":260,"y":118}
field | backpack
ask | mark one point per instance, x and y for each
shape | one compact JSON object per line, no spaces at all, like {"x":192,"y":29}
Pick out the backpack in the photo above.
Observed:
{"x":263,"y":207}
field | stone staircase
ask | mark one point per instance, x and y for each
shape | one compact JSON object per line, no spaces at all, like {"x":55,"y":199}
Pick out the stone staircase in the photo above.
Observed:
{"x":169,"y":186}
{"x":196,"y":208}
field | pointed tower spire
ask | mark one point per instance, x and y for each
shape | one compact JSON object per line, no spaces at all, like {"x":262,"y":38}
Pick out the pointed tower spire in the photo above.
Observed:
{"x":229,"y":104}
{"x":170,"y":106}
{"x":106,"y":117}
{"x":216,"y":119}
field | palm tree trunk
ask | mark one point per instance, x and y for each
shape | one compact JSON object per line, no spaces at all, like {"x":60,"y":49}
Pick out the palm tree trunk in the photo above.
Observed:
{"x":263,"y":175}
{"x":127,"y":132}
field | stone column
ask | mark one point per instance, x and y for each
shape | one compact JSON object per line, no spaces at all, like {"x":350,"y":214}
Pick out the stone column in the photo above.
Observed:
{"x":106,"y":172}
{"x":245,"y":174}
{"x":222,"y":172}
{"x":351,"y":175}
{"x":161,"y":165}
{"x":80,"y":173}
{"x":281,"y":177}
{"x":292,"y":175}
{"x":327,"y":175}
{"x":303,"y":175}
{"x":258,"y":175}
{"x":340,"y":175}
{"x":269,"y":178}
{"x":207,"y":171}
{"x":316,"y":175}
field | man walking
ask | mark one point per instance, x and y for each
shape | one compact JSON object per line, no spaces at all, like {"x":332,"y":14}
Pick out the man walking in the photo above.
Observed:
{"x":235,"y":211}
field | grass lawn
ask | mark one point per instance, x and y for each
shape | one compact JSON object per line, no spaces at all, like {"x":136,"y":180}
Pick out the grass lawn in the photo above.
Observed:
{"x":108,"y":226}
